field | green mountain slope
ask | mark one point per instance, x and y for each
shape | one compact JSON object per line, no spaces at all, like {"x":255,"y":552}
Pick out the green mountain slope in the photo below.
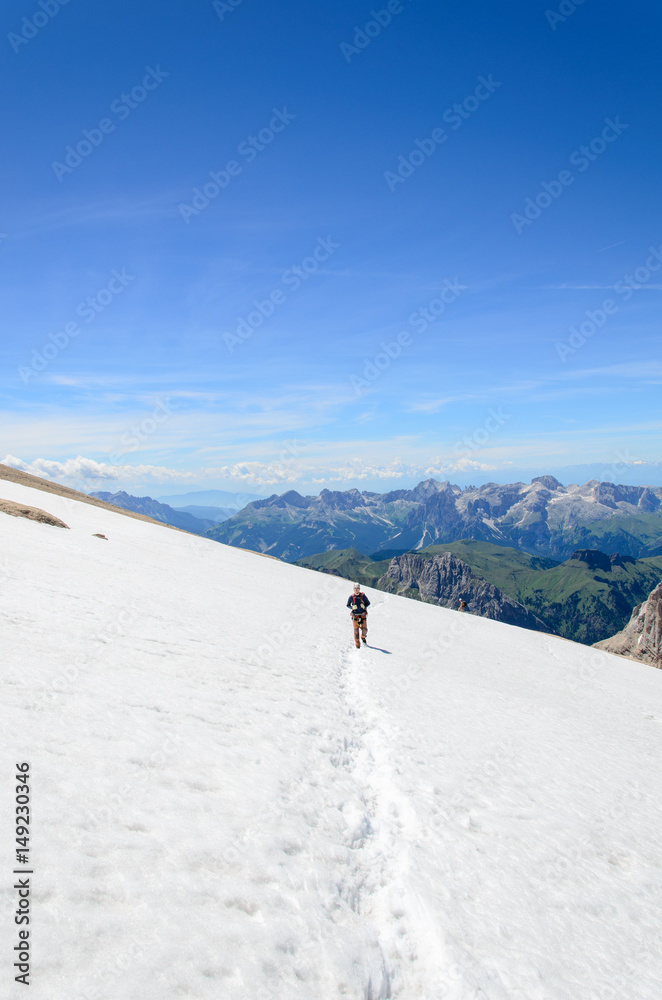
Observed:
{"x":637,"y":535}
{"x":589,"y":603}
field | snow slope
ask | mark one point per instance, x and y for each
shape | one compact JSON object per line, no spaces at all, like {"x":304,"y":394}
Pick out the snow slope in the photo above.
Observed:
{"x":231,"y":802}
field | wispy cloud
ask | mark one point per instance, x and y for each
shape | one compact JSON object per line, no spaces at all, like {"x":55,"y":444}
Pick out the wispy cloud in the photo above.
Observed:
{"x":115,"y":212}
{"x":611,"y":288}
{"x":623,"y":369}
{"x":435,"y":405}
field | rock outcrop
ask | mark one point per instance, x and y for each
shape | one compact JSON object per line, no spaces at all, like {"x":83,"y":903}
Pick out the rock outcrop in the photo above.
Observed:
{"x":445,"y":580}
{"x":594,"y":559}
{"x":641,"y":639}
{"x":31,"y":513}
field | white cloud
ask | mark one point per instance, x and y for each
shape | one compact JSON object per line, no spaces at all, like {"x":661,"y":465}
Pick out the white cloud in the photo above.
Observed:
{"x":461,"y":465}
{"x":77,"y":469}
{"x":86,"y":472}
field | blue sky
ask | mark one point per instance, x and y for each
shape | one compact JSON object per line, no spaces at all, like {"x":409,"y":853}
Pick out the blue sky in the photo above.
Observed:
{"x":358,"y":298}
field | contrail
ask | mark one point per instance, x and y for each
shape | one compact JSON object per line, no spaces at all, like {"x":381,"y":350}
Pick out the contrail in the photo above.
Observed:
{"x":611,"y":245}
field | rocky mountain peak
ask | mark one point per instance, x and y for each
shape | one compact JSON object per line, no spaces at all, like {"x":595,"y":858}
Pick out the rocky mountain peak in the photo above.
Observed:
{"x":120,"y":495}
{"x":429,"y":487}
{"x":341,"y":499}
{"x":289,"y":499}
{"x":294,"y":499}
{"x":549,"y":482}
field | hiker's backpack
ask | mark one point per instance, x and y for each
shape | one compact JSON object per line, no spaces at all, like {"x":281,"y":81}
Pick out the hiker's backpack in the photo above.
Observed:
{"x":359,"y":607}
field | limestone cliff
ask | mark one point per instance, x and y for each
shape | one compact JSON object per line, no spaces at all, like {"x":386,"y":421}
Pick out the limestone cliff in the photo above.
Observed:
{"x":641,"y":639}
{"x":445,"y":580}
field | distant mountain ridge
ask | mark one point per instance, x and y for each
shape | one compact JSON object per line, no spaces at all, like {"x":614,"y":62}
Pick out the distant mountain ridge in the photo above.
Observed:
{"x":213,"y":514}
{"x":210,"y":498}
{"x":158,"y":511}
{"x":544,"y":518}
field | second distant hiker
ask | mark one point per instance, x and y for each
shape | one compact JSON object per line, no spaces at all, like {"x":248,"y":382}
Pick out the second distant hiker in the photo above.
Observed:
{"x":358,"y":605}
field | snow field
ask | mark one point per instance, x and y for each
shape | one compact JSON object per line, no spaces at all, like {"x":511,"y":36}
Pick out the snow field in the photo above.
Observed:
{"x":229,"y":800}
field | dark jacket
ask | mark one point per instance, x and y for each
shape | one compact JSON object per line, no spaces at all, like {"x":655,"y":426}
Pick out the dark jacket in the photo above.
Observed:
{"x":358,"y":603}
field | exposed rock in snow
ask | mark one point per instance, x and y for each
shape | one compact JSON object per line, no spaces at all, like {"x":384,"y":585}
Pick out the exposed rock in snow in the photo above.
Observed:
{"x":32,"y":513}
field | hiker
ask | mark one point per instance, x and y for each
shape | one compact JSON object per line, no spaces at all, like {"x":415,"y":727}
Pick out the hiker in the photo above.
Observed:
{"x":358,"y":604}
{"x":463,"y":605}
